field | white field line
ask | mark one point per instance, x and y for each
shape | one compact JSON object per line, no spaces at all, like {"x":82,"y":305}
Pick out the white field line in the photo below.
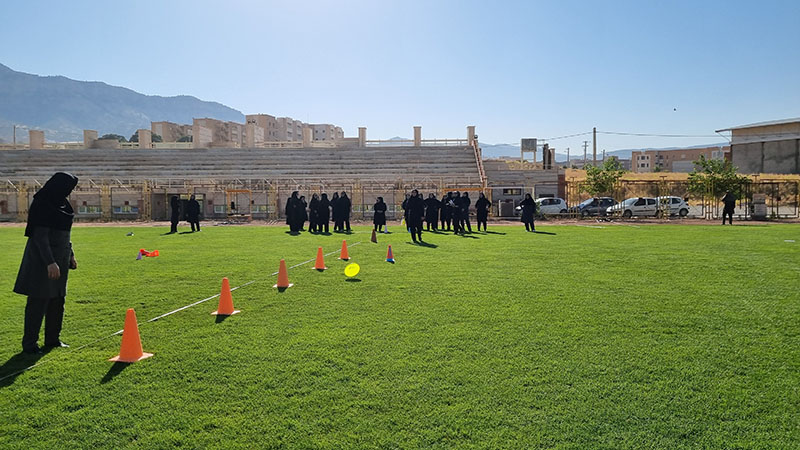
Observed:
{"x":72,"y":350}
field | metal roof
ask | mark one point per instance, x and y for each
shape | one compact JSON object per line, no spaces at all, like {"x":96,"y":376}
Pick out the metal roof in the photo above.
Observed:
{"x":762,"y":124}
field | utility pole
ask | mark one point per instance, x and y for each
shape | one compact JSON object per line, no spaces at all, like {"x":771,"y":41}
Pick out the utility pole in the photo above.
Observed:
{"x":585,"y":146}
{"x":594,"y":146}
{"x":15,"y":136}
{"x":604,"y":155}
{"x":567,"y":157}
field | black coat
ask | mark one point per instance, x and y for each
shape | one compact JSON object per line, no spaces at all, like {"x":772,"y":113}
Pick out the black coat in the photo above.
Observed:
{"x":528,"y":209}
{"x":482,"y":207}
{"x":175,"y":210}
{"x":193,"y":210}
{"x":432,"y":206}
{"x":313,"y":210}
{"x":344,"y":206}
{"x":416,"y":210}
{"x":324,"y":211}
{"x":730,"y":201}
{"x":379,"y":218}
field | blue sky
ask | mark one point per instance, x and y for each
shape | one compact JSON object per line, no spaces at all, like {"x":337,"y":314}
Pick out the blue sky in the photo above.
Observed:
{"x":514,"y":69}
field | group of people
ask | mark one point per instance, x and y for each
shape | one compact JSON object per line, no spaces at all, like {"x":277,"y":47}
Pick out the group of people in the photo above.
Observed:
{"x":452,"y":212}
{"x":192,"y":213}
{"x":318,"y":212}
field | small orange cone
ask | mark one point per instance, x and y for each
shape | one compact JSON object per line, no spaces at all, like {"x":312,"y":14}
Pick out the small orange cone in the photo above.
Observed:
{"x":225,"y":307}
{"x":320,"y":264}
{"x":374,"y":237}
{"x":131,"y":348}
{"x":344,"y":255}
{"x":389,"y":255}
{"x":283,"y":277}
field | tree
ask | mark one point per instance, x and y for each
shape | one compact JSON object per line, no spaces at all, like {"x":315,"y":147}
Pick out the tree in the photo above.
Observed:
{"x":154,"y":138}
{"x":601,"y":180}
{"x":114,"y":136}
{"x":712,"y":177}
{"x":185,"y":139}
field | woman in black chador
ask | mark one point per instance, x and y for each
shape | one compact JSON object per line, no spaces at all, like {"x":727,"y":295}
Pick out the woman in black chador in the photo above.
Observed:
{"x":323,"y":214}
{"x":447,"y":211}
{"x":346,"y":206}
{"x":464,"y":222}
{"x":404,"y":205}
{"x":432,"y":212}
{"x":47,"y":260}
{"x":416,"y":211}
{"x":379,"y":217}
{"x":193,"y":211}
{"x":482,"y":210}
{"x":336,"y":213}
{"x":303,"y":212}
{"x":455,"y":212}
{"x":293,"y":213}
{"x":313,"y":214}
{"x":174,"y":213}
{"x":528,"y":211}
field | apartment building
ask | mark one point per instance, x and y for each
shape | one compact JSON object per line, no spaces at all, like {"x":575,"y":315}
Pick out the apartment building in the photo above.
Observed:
{"x":170,"y":132}
{"x":217,"y":133}
{"x":677,"y":160}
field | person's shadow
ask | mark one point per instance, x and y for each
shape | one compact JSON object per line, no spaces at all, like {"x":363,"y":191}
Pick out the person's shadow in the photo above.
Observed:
{"x":16,"y":365}
{"x":115,"y":370}
{"x":545,"y":232}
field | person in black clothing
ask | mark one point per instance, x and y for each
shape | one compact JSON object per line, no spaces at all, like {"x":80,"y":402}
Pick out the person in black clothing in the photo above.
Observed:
{"x":416,"y":211}
{"x":379,"y":217}
{"x":528,"y":211}
{"x":432,"y":206}
{"x":46,"y":262}
{"x":303,"y":212}
{"x":730,"y":204}
{"x":323,"y":214}
{"x":336,"y":212}
{"x":405,"y":212}
{"x":293,"y":213}
{"x":313,"y":214}
{"x":174,"y":213}
{"x":482,"y":210}
{"x":444,"y":212}
{"x":346,"y":206}
{"x":193,"y":212}
{"x":455,"y":212}
{"x":465,"y":202}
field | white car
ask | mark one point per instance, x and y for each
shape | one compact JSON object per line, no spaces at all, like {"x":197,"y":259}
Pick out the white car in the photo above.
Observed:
{"x":677,"y":205}
{"x":551,"y":205}
{"x":635,"y":206}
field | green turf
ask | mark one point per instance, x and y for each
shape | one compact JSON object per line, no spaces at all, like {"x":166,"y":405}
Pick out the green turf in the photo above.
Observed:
{"x":618,"y":337}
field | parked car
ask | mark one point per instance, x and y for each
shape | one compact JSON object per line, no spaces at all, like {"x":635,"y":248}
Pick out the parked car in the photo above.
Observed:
{"x":593,"y":206}
{"x":551,"y":205}
{"x":635,"y":206}
{"x":677,"y":205}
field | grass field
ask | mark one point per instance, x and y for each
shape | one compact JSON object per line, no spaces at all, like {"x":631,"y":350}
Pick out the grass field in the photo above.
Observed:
{"x":658,"y":336}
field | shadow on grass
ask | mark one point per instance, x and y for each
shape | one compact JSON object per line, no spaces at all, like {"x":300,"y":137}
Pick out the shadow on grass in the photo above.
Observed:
{"x":220,"y":318}
{"x":16,"y":365}
{"x":115,"y":370}
{"x":467,"y":235}
{"x":292,"y":233}
{"x":186,"y":232}
{"x":353,"y":280}
{"x":545,"y":232}
{"x":495,"y":232}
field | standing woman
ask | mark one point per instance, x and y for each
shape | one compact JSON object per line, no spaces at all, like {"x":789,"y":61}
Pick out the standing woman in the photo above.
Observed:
{"x":336,"y":212}
{"x":313,"y":213}
{"x":46,"y":262}
{"x":345,"y":206}
{"x":193,"y":211}
{"x":379,"y":217}
{"x":303,"y":212}
{"x":292,"y":212}
{"x":528,"y":211}
{"x":482,"y":209}
{"x":175,"y":213}
{"x":323,"y":214}
{"x":404,"y":205}
{"x":447,"y":211}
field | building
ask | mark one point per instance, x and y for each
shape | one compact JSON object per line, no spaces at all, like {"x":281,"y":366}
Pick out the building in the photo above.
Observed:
{"x":624,"y":163}
{"x":289,"y":129}
{"x":326,"y":132}
{"x":217,"y":133}
{"x":766,"y":147}
{"x":170,"y":132}
{"x":266,"y":127}
{"x":678,"y":160}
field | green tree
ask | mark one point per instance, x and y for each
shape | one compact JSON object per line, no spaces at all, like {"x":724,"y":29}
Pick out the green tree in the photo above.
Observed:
{"x":712,"y":177}
{"x":601,"y":180}
{"x":185,"y":139}
{"x":114,"y":136}
{"x":135,"y":137}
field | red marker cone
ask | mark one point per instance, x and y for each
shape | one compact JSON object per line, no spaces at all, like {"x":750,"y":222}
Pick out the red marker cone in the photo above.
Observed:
{"x":374,"y":237}
{"x":225,"y":307}
{"x":131,"y":348}
{"x":283,"y":277}
{"x":320,"y":264}
{"x":389,"y":255}
{"x":344,"y":255}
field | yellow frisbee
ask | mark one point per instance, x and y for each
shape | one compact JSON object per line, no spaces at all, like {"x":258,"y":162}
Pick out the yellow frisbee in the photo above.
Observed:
{"x":352,"y":270}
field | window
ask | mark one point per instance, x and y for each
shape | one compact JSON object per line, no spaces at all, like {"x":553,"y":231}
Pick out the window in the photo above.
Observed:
{"x":651,"y":201}
{"x":639,"y":202}
{"x":512,"y":191}
{"x":675,"y":201}
{"x":219,"y":209}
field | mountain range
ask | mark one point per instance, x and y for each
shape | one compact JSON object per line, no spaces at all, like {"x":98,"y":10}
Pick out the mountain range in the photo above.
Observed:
{"x":63,"y":107}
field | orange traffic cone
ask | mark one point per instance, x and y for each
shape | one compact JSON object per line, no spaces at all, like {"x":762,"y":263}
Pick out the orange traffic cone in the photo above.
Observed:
{"x":374,"y":237}
{"x":389,"y":255}
{"x":225,"y":307}
{"x":320,"y":264}
{"x":344,"y":255}
{"x":131,"y":348}
{"x":283,"y":277}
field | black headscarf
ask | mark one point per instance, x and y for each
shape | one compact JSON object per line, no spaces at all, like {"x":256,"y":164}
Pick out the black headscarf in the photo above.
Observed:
{"x":50,"y":207}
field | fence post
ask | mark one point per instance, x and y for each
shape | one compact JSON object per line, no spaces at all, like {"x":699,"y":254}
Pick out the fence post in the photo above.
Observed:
{"x":22,"y":202}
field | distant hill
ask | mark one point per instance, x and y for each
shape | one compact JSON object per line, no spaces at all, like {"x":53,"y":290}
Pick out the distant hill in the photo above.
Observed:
{"x":512,"y":150}
{"x":63,"y":108}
